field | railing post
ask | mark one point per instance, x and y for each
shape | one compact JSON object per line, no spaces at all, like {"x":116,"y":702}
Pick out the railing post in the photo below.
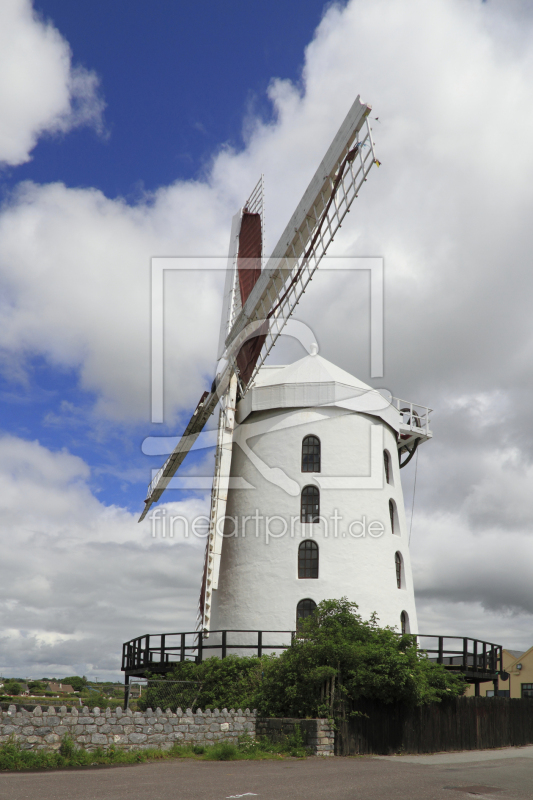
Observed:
{"x":485,"y":656}
{"x":182,"y":648}
{"x":475,"y":656}
{"x":224,"y":644}
{"x":440,"y":659}
{"x":259,"y":643}
{"x":200,"y":647}
{"x":163,"y":641}
{"x":465,"y":654}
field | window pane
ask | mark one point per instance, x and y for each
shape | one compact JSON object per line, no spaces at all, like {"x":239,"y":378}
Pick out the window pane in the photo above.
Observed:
{"x":304,"y":609}
{"x":308,"y":560}
{"x":527,"y":690}
{"x":311,"y":454}
{"x":310,"y":506}
{"x":386,"y":462}
{"x":391,"y":512}
{"x":398,"y":559}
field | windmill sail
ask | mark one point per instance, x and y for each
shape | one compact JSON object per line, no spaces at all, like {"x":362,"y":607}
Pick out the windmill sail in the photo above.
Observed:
{"x":244,"y":270}
{"x":253,"y":323}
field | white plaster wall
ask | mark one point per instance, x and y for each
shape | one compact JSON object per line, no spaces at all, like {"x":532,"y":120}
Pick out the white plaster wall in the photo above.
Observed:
{"x":259,"y":586}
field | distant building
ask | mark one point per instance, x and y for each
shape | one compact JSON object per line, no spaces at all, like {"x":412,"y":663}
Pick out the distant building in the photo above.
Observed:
{"x":519,"y":666}
{"x":60,"y":688}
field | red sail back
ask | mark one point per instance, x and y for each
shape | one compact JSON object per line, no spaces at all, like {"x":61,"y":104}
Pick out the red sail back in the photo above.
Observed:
{"x":249,"y":269}
{"x":249,"y":255}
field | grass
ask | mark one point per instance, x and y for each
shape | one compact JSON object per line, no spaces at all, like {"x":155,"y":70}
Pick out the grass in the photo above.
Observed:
{"x":14,"y":758}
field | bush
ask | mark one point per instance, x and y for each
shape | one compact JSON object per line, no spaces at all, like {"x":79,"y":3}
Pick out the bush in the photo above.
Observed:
{"x":232,"y":682}
{"x":68,"y":747}
{"x":364,"y":661}
{"x":333,"y":644}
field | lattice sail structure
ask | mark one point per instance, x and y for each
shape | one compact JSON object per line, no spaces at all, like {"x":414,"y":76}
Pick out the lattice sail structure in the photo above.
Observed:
{"x":258,"y":302}
{"x":306,"y":239}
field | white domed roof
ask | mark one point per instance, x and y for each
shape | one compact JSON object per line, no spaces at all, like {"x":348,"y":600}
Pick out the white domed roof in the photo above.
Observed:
{"x":314,"y":382}
{"x":309,"y":369}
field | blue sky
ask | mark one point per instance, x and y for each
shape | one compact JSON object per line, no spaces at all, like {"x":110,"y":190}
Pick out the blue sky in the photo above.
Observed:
{"x":179,"y":80}
{"x":131,"y":130}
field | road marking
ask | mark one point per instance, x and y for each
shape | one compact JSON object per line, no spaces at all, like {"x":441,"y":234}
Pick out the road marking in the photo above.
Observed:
{"x":246,"y":794}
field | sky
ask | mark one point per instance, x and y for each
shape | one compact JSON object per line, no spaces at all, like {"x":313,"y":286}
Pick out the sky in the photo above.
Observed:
{"x":129,"y":131}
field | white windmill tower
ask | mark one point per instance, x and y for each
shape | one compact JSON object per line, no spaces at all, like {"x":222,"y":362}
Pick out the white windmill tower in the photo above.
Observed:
{"x":321,"y":449}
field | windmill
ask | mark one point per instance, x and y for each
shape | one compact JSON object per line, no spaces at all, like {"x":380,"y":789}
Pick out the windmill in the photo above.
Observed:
{"x":257,"y":305}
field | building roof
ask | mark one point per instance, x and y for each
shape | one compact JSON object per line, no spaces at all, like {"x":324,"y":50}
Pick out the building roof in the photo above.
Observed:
{"x":516,"y":653}
{"x":309,"y":369}
{"x":313,"y":382}
{"x":64,"y":688}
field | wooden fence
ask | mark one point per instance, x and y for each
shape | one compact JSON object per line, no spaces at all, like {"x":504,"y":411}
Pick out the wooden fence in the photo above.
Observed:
{"x":464,"y":723}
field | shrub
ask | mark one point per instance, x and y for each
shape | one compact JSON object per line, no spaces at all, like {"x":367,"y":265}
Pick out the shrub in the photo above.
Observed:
{"x":333,"y":644}
{"x":365,"y":661}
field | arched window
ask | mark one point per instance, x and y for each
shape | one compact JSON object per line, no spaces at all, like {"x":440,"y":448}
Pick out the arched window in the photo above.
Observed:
{"x":308,"y":559}
{"x":386,"y":462}
{"x":311,"y":454}
{"x":391,"y":512}
{"x":310,"y":506}
{"x":398,"y":561}
{"x":404,"y":622}
{"x":304,"y":609}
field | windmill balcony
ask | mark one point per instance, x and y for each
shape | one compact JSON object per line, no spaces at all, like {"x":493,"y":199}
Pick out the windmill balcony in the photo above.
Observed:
{"x":414,"y":422}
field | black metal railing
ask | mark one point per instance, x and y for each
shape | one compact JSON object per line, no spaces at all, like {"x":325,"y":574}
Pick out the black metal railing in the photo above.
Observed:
{"x":158,"y":653}
{"x":473,"y":657}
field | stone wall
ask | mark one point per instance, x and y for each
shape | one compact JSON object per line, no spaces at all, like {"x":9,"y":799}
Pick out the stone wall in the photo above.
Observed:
{"x":317,"y":734}
{"x":44,"y":729}
{"x":39,"y":729}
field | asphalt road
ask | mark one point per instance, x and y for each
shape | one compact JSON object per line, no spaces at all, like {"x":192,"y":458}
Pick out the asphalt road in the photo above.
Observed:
{"x":494,"y":774}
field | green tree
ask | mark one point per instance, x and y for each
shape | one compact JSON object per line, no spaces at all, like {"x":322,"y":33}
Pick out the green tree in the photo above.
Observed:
{"x":364,"y":661}
{"x":77,"y":683}
{"x":12,"y":688}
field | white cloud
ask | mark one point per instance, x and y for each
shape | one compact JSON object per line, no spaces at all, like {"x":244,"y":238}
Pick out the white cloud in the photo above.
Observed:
{"x":78,"y":578}
{"x":452,"y":84}
{"x":40,"y":90}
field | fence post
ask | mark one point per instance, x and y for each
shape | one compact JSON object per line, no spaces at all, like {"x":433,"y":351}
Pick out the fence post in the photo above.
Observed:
{"x":126,"y":692}
{"x":259,"y":643}
{"x":163,"y":639}
{"x":224,"y":644}
{"x":440,"y":659}
{"x":182,"y":649}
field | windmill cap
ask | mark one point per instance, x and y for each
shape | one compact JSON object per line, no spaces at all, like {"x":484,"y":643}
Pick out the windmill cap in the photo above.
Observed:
{"x":312,"y":369}
{"x":314,"y":382}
